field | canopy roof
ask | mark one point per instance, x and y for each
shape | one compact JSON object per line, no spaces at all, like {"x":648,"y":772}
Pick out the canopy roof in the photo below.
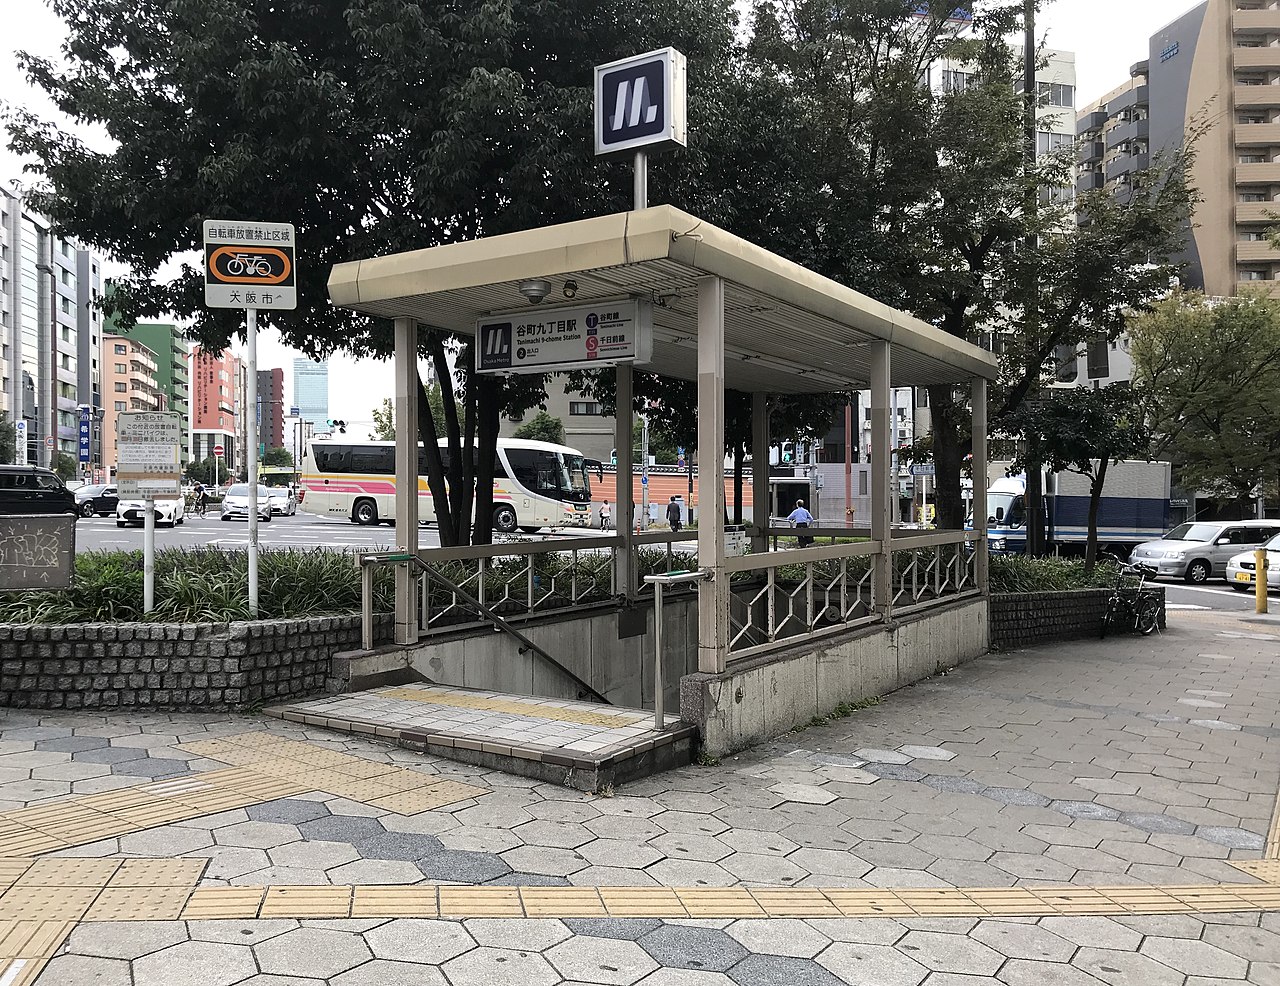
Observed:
{"x":787,"y":329}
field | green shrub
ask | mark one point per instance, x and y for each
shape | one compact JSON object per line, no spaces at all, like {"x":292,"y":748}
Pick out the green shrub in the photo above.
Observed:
{"x":1015,"y":573}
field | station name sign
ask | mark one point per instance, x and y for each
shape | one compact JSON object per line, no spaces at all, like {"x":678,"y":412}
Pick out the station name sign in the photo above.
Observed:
{"x":544,"y":340}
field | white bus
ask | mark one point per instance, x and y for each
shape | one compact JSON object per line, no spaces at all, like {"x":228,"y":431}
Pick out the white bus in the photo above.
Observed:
{"x":535,"y":484}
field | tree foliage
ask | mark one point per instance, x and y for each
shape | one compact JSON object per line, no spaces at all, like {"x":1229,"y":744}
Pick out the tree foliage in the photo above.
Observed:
{"x":384,"y":422}
{"x":278,"y":457}
{"x":66,"y":466}
{"x":8,"y":439}
{"x":542,"y":427}
{"x":1212,"y":369}
{"x":1086,"y":431}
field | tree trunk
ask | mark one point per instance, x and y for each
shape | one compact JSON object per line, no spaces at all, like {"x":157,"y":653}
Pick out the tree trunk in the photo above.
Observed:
{"x":436,"y":480}
{"x":1095,"y":501}
{"x":1036,"y":541}
{"x":453,"y":434}
{"x":486,"y":453}
{"x":948,"y":456}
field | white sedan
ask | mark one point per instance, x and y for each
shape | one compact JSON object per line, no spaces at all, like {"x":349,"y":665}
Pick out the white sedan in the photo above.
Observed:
{"x":171,"y":511}
{"x":1242,"y":570}
{"x":282,"y":501}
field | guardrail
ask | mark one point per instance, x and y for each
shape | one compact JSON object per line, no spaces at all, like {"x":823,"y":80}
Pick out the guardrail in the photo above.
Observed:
{"x":659,"y":582}
{"x":927,"y":568}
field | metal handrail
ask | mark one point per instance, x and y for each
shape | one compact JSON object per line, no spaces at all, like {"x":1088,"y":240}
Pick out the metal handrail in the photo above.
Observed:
{"x":799,"y":556}
{"x":658,"y":582}
{"x":514,"y":549}
{"x":368,"y":563}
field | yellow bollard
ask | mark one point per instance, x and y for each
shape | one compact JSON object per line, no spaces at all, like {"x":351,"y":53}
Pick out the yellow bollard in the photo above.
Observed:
{"x":1260,"y":579}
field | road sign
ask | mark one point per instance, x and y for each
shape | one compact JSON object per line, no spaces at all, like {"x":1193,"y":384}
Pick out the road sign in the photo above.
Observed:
{"x":539,"y":340}
{"x":219,"y":451}
{"x":644,"y":480}
{"x":148,"y":454}
{"x":20,"y":429}
{"x":295,"y":412}
{"x":923,"y":469}
{"x":640,"y":102}
{"x":50,"y":441}
{"x":249,"y":265}
{"x":86,"y":432}
{"x":37,"y":551}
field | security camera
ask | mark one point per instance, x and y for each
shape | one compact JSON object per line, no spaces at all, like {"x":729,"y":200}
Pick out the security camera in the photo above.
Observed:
{"x":571,"y":289}
{"x":535,"y":290}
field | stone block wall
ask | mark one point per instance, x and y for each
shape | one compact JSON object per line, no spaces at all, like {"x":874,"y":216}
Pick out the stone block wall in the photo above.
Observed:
{"x":170,"y":667}
{"x":1023,"y":618}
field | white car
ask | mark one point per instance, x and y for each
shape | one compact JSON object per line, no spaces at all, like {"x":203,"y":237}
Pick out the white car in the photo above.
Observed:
{"x":283,"y":501}
{"x":1242,"y":570}
{"x":167,"y":511}
{"x":236,"y":503}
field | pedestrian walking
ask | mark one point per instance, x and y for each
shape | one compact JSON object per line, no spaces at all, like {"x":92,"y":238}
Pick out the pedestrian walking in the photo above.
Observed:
{"x":802,"y":519}
{"x":606,"y":515}
{"x":673,"y":514}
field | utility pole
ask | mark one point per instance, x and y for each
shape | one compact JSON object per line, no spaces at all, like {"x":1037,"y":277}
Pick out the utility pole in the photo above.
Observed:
{"x":1031,"y":97}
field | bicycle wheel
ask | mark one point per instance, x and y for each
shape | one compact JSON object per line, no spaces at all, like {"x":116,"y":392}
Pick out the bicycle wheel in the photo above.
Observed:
{"x":1148,"y":616}
{"x":1107,"y":619}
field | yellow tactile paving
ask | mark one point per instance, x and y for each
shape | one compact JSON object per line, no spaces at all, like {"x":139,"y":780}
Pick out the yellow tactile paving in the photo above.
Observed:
{"x":306,"y":902}
{"x":223,"y":903}
{"x":1273,"y":836}
{"x":61,"y":872}
{"x":564,"y":902}
{"x":488,"y":902}
{"x":383,"y":902}
{"x":1264,"y":869}
{"x":528,"y":709}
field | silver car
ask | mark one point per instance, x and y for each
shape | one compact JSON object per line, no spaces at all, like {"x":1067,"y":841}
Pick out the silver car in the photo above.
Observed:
{"x":1199,"y":550}
{"x":283,"y":502}
{"x":236,"y":503}
{"x":1242,"y":568}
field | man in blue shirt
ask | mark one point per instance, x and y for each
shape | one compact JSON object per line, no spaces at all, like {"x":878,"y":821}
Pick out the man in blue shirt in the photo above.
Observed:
{"x":801,"y":518}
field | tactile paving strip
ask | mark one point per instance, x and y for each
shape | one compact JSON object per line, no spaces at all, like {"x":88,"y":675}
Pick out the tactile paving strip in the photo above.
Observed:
{"x":530,"y":708}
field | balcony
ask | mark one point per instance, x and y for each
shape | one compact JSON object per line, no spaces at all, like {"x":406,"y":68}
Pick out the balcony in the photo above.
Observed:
{"x":1133,"y":130}
{"x":1089,"y":181}
{"x":1269,"y":288}
{"x":1257,"y":97}
{"x":1257,"y":212}
{"x":1268,"y":57}
{"x":1094,"y":150}
{"x":1267,"y":173}
{"x":1256,"y":251}
{"x":1257,"y":134}
{"x":1094,"y":121}
{"x":1256,"y":20}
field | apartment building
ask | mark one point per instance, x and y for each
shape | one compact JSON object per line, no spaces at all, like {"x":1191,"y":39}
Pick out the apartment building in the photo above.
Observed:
{"x":49,"y":329}
{"x":215,"y":380}
{"x":1217,"y":66}
{"x":271,"y":408}
{"x":172,"y":355}
{"x":130,"y":378}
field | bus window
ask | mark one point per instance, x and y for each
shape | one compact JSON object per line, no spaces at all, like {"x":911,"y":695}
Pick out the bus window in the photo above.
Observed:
{"x":332,"y":458}
{"x":377,"y":460}
{"x":575,"y":470}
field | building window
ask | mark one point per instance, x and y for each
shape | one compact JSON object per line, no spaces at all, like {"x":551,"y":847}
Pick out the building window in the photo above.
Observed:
{"x":121,"y":387}
{"x":1047,"y":143}
{"x":584,"y":409}
{"x":121,"y":350}
{"x":1252,"y":159}
{"x":1251,"y":118}
{"x":121,"y":368}
{"x":954,"y":81}
{"x":1252,"y":275}
{"x":1056,"y":94}
{"x":1253,"y":237}
{"x":1253,"y":197}
{"x":120,"y":406}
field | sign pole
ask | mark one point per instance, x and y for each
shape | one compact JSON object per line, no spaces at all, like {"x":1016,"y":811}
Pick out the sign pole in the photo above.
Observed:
{"x":641,"y":190}
{"x":251,"y":398}
{"x":148,"y":554}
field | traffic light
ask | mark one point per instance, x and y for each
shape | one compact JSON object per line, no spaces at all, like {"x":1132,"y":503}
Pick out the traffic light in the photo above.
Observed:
{"x":339,"y":426}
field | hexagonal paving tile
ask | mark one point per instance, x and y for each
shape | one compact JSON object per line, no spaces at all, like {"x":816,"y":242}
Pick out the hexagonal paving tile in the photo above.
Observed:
{"x":610,"y":962}
{"x":341,"y":828}
{"x":413,"y":940}
{"x":406,"y":846}
{"x":872,"y":965}
{"x":950,"y":953}
{"x":1125,"y":968}
{"x":779,"y":970}
{"x":313,"y":951}
{"x":164,"y":842}
{"x":258,"y":835}
{"x":682,"y":845}
{"x":458,"y":866}
{"x":151,"y":767}
{"x":196,"y":963}
{"x":623,"y":929}
{"x":545,"y":860}
{"x":125,"y":939}
{"x":501,"y":967}
{"x":1023,"y":941}
{"x":1195,"y":958}
{"x":290,"y":811}
{"x":312,"y":855}
{"x":380,"y":972}
{"x":559,"y":835}
{"x":80,"y":970}
{"x":693,"y":948}
{"x":783,"y":936}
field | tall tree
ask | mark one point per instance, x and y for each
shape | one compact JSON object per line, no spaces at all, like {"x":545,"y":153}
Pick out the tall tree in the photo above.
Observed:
{"x":278,"y":457}
{"x":1212,"y":369}
{"x":384,"y":422}
{"x":375,"y":126}
{"x":1086,"y":431}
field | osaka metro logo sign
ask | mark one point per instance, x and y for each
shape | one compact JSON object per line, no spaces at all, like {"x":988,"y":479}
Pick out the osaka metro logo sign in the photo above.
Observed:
{"x":495,"y":346}
{"x":640,"y":102}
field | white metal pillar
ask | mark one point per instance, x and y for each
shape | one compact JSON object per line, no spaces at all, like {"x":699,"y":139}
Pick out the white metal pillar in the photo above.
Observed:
{"x":406,"y":476}
{"x":251,"y":399}
{"x":980,"y":477}
{"x":882,"y":478}
{"x":713,"y":595}
{"x":624,"y":510}
{"x":760,"y":472}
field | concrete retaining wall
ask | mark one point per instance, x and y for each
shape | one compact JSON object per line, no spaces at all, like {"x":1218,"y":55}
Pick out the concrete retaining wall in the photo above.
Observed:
{"x":174,"y":667}
{"x":586,"y":641}
{"x":755,"y":700}
{"x":1024,"y":618}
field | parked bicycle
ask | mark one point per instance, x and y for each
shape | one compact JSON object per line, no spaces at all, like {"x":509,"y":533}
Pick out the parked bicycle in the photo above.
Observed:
{"x":1132,"y":608}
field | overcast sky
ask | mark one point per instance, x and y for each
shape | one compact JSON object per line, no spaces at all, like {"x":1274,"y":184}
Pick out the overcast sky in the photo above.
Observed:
{"x":1107,"y":36}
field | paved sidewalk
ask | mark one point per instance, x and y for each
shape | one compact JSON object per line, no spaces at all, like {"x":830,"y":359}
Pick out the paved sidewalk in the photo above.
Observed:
{"x":1073,"y":814}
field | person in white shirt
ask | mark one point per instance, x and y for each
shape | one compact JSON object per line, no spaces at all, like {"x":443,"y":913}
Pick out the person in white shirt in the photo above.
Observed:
{"x":801,"y":517}
{"x":605,"y":515}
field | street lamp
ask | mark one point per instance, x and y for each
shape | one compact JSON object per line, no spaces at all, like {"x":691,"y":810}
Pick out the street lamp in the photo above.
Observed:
{"x":50,"y":454}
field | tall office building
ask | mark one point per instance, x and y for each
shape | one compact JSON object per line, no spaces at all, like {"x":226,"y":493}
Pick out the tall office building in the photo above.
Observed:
{"x":1217,"y":64}
{"x":311,"y":391}
{"x":49,"y":329}
{"x":271,"y":408}
{"x":214,"y":381}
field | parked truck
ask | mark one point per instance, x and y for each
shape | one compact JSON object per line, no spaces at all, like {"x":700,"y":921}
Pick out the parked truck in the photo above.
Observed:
{"x":1135,"y":507}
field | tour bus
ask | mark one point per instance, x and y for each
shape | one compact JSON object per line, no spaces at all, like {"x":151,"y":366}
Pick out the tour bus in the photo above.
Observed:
{"x":536,"y":484}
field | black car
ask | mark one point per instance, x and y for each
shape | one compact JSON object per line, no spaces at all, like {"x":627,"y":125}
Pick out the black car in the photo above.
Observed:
{"x":34,"y":490}
{"x":97,"y":501}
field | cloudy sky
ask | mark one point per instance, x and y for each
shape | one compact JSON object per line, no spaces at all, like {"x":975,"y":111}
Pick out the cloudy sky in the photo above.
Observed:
{"x":1107,"y":36}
